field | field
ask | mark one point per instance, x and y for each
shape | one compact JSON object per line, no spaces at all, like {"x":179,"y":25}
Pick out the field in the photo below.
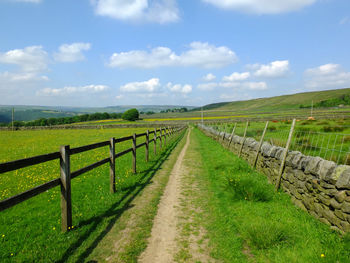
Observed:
{"x":329,"y":139}
{"x":30,"y":231}
{"x":245,"y":220}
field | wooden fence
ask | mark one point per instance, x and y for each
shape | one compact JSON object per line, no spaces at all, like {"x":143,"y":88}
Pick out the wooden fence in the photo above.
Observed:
{"x":64,"y":155}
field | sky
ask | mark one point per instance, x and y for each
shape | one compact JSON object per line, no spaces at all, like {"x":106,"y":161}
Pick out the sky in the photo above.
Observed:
{"x":169,"y":52}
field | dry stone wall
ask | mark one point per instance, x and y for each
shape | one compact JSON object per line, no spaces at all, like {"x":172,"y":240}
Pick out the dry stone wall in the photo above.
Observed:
{"x":316,"y":185}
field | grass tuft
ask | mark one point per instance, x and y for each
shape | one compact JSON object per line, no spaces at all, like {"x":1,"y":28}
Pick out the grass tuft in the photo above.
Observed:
{"x":264,"y":235}
{"x":242,"y":183}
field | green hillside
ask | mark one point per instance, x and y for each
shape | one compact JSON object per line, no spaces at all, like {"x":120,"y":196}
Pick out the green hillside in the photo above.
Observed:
{"x":285,"y":102}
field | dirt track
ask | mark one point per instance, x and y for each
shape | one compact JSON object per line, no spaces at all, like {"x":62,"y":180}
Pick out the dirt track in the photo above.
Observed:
{"x":162,"y":244}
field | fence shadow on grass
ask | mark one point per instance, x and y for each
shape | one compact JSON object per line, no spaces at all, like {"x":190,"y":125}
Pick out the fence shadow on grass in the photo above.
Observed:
{"x":124,"y":202}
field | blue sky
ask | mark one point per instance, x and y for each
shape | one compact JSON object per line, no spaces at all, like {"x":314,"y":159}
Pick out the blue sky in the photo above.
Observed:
{"x":194,"y":52}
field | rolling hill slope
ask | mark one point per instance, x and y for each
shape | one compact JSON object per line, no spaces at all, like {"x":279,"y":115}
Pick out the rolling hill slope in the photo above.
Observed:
{"x":285,"y":102}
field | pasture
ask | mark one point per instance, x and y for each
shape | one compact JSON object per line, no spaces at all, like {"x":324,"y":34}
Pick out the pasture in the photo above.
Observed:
{"x":30,"y":231}
{"x":329,"y":139}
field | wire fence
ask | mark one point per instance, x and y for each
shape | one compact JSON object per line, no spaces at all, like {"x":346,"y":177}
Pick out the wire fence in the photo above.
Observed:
{"x":328,"y":142}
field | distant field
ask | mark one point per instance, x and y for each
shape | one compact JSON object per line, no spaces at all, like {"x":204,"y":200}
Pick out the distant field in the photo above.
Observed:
{"x":243,"y":114}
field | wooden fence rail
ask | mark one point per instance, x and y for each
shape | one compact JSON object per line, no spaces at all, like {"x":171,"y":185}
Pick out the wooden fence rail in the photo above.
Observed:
{"x":66,"y":175}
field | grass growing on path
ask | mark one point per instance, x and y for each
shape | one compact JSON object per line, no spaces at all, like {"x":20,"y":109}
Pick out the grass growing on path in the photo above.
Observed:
{"x":30,"y":231}
{"x":247,"y":221}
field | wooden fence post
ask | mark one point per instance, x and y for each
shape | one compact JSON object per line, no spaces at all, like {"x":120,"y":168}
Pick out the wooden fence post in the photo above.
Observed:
{"x":164,"y":136}
{"x":260,"y":144}
{"x":233,"y":132}
{"x":66,"y":199}
{"x":285,"y":153}
{"x":147,"y":145}
{"x":112,"y":165}
{"x":160,"y":138}
{"x":134,"y":153}
{"x":245,"y":133}
{"x":155,"y":141}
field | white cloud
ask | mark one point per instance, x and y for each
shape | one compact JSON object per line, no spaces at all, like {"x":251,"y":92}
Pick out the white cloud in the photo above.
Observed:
{"x":237,"y":76}
{"x":245,"y":85}
{"x":29,"y":59}
{"x":148,"y":86}
{"x":71,"y":52}
{"x":275,"y":69}
{"x":261,"y":6}
{"x":21,"y":77}
{"x":119,"y":97}
{"x":209,"y":77}
{"x":323,"y":70}
{"x":73,"y":90}
{"x":178,"y":88}
{"x":158,"y":11}
{"x":235,"y":96}
{"x":207,"y":86}
{"x":233,"y":85}
{"x":326,"y":76}
{"x":199,"y":55}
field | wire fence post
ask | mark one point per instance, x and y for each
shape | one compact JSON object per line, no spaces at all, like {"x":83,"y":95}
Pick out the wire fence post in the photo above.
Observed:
{"x":223,"y":136}
{"x":147,"y":146}
{"x":233,"y":132}
{"x":245,"y":133}
{"x":155,"y":141}
{"x":285,"y":153}
{"x":66,"y":198}
{"x":260,"y":144}
{"x":112,"y":165}
{"x":134,"y":153}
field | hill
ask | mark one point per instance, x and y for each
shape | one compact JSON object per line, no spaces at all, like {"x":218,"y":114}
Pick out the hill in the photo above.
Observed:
{"x":285,"y":102}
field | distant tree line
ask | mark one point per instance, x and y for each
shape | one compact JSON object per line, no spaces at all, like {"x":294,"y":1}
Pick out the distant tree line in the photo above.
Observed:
{"x":65,"y":120}
{"x":334,"y":102}
{"x":183,"y":109}
{"x":147,"y":112}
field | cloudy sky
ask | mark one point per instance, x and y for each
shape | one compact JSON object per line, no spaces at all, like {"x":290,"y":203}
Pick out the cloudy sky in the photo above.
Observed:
{"x":188,"y":52}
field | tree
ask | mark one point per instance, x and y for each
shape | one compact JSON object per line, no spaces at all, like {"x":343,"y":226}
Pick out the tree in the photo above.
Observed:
{"x":131,"y":115}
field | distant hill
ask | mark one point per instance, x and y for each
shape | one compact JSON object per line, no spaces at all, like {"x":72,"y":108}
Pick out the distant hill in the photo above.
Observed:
{"x":285,"y":102}
{"x":28,"y":113}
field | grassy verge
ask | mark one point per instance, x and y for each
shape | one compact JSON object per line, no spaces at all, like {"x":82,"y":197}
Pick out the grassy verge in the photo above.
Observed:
{"x":247,"y":221}
{"x":30,"y":231}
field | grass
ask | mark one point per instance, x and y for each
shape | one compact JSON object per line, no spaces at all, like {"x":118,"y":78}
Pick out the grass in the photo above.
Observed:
{"x":30,"y":231}
{"x":247,"y":224}
{"x":243,"y":184}
{"x":314,"y":138}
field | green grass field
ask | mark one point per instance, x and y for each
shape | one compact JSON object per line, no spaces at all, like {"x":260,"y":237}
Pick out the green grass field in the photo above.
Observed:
{"x":247,"y":221}
{"x":30,"y":231}
{"x":329,"y":139}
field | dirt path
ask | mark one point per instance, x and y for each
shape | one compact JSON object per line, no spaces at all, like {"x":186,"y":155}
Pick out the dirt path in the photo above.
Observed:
{"x":162,"y":245}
